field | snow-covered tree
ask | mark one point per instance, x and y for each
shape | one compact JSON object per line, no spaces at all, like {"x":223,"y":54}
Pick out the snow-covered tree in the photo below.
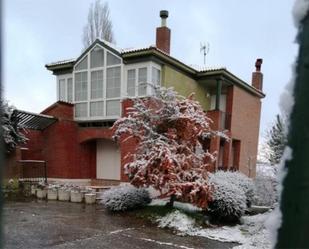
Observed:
{"x":12,"y":135}
{"x":171,"y":156}
{"x":276,"y":141}
{"x":99,"y":24}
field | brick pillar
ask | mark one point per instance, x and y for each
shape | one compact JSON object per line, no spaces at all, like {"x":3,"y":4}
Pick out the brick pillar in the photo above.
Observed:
{"x":214,"y":147}
{"x":227,"y":155}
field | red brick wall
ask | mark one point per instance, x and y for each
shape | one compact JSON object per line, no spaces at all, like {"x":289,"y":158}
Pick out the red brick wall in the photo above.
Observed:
{"x":59,"y":145}
{"x":70,"y":150}
{"x":61,"y":110}
{"x":245,"y":125}
{"x":163,"y":39}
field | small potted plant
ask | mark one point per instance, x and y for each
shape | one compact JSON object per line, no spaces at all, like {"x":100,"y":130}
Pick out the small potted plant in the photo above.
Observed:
{"x":90,"y":196}
{"x":33,"y":189}
{"x":64,"y":193}
{"x":52,"y":192}
{"x":41,"y":191}
{"x":76,"y":194}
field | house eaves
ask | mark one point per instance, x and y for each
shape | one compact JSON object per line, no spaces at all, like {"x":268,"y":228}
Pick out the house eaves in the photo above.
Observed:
{"x":232,"y":78}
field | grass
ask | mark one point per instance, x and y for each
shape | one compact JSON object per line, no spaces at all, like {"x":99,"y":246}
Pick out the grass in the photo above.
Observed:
{"x":152,"y":213}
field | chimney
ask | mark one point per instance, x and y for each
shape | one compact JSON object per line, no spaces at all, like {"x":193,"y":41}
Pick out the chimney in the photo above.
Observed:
{"x":257,"y":76}
{"x":163,"y":35}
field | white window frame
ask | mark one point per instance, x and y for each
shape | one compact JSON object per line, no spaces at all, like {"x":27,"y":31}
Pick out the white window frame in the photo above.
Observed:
{"x":104,"y":99}
{"x":64,"y":77}
{"x":137,"y":66}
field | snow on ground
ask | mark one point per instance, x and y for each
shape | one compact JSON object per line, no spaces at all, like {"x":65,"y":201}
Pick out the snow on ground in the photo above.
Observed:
{"x":251,"y":235}
{"x":180,"y":205}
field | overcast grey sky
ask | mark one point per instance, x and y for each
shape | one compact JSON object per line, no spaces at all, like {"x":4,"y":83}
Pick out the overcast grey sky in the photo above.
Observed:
{"x":37,"y":32}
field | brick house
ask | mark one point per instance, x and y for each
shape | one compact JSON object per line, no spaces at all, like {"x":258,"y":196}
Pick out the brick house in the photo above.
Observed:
{"x":95,"y":89}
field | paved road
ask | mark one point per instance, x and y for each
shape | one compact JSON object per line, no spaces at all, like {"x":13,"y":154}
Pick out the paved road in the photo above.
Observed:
{"x":57,"y":225}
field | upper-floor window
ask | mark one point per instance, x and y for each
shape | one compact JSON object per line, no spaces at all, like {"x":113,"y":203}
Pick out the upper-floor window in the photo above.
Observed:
{"x":65,"y":88}
{"x":141,"y":78}
{"x":97,"y":85}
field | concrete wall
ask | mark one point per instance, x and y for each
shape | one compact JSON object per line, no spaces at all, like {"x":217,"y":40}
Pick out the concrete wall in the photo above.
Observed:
{"x":184,"y":85}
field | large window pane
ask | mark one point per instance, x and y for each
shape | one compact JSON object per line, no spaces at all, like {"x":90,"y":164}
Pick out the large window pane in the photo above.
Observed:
{"x":81,"y":86}
{"x":97,"y":57}
{"x":97,"y":84}
{"x":81,"y":110}
{"x":113,"y":108}
{"x":113,"y":78}
{"x":155,"y":79}
{"x":61,"y":89}
{"x":70,"y":90}
{"x":83,"y":64}
{"x":112,"y":59}
{"x":142,"y":81}
{"x":96,"y":108}
{"x":131,"y":82}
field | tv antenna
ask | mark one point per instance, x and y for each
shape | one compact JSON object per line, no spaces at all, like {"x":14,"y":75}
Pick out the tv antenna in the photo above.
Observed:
{"x":204,"y":47}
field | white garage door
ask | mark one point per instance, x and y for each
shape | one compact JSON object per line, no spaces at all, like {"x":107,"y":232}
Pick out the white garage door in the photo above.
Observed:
{"x":108,"y":160}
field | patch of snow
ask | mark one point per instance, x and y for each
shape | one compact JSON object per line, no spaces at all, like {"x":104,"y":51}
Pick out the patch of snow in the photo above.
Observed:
{"x":180,"y":205}
{"x":186,"y":207}
{"x":300,"y":10}
{"x":121,"y":230}
{"x":252,"y":234}
{"x":158,"y":202}
{"x":166,"y":243}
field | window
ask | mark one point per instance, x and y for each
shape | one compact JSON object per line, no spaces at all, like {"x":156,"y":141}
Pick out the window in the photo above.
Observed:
{"x":81,"y":86}
{"x":142,"y":81}
{"x":69,"y":90}
{"x":96,"y":57}
{"x":96,"y":108}
{"x":97,"y":84}
{"x":112,"y":59}
{"x":113,"y":82}
{"x":112,"y":108}
{"x":61,"y":88}
{"x":81,"y":110}
{"x":155,"y":76}
{"x":83,"y":64}
{"x":131,"y":82}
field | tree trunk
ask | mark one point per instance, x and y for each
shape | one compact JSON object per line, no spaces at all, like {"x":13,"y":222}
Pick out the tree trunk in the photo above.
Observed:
{"x":295,"y":202}
{"x":171,"y":202}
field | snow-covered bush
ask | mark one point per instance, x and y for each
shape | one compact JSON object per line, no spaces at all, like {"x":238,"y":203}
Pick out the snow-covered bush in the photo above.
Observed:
{"x":12,"y":135}
{"x":265,"y":193}
{"x":228,"y":200}
{"x":125,"y":197}
{"x":240,"y":180}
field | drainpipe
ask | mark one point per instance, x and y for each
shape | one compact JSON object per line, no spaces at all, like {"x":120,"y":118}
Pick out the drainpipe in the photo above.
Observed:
{"x":218,"y":93}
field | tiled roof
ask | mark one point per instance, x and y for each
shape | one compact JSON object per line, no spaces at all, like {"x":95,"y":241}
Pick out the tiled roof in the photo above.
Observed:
{"x":60,"y":62}
{"x":203,"y":68}
{"x":197,"y":68}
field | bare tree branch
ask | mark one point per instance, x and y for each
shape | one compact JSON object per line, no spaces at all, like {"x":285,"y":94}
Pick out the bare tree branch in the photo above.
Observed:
{"x":98,"y":25}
